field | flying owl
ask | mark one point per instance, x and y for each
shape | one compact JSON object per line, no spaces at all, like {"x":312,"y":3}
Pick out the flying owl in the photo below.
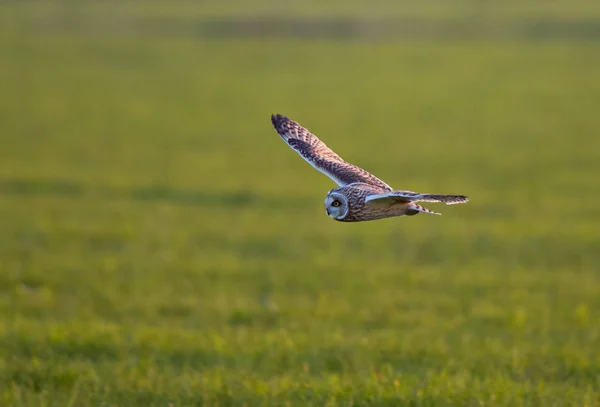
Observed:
{"x":360,"y":196}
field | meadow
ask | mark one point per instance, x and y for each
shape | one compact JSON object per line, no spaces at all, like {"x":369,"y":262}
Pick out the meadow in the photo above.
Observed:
{"x":161,"y":246}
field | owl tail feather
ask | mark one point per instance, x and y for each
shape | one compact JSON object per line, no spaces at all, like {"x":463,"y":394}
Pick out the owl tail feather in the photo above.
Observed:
{"x":415,"y":208}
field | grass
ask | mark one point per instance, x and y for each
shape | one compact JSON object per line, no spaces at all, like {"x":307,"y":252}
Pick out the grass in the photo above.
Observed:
{"x":162,"y":246}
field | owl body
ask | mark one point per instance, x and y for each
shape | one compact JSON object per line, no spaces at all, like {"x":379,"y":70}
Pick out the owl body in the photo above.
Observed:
{"x":360,"y":196}
{"x":353,"y":205}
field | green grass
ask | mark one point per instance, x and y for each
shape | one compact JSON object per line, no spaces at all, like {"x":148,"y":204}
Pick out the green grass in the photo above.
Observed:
{"x":160,"y":245}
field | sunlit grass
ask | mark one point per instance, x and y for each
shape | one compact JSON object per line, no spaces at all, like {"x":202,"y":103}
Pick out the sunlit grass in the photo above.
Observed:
{"x":161,"y":244}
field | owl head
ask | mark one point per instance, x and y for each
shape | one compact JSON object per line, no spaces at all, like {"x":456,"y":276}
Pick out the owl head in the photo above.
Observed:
{"x":336,"y":205}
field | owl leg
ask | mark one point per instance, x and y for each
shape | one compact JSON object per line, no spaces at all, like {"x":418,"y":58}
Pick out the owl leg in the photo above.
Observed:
{"x":415,"y":208}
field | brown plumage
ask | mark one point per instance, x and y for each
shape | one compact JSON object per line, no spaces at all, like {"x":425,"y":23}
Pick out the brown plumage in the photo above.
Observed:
{"x":320,"y":156}
{"x":361,"y":195}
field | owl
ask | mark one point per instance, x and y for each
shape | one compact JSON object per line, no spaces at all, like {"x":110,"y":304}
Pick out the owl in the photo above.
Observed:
{"x":360,"y":196}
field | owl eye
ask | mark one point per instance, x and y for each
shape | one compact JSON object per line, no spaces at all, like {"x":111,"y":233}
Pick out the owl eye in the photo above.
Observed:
{"x":335,"y":203}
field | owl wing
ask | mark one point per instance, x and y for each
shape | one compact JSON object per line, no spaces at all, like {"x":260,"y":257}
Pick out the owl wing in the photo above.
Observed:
{"x":409,"y":196}
{"x":321,"y":157}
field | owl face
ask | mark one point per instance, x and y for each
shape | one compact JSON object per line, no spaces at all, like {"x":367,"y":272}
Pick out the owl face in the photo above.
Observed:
{"x":336,"y":205}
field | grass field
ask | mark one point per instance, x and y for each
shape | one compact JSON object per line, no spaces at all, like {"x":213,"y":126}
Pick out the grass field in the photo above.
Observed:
{"x":160,"y":245}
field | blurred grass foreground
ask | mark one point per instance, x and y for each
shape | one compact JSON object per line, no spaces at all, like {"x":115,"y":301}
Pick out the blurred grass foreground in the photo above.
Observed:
{"x":160,"y":245}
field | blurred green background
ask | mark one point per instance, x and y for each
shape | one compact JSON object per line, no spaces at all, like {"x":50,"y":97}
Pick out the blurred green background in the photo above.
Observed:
{"x":160,"y":245}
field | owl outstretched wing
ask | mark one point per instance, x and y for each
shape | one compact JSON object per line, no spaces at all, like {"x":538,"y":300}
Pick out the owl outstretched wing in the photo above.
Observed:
{"x":321,"y":157}
{"x":409,"y":196}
